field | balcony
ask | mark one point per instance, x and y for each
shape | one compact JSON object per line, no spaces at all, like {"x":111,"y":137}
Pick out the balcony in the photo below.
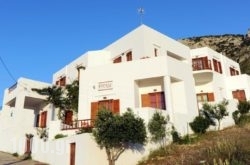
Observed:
{"x":78,"y":124}
{"x":202,"y":71}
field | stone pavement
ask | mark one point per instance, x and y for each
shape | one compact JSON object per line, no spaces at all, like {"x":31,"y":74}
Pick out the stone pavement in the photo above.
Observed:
{"x":8,"y":159}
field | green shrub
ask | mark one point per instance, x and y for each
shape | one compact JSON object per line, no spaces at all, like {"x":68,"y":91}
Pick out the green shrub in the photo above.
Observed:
{"x":58,"y":136}
{"x":175,"y":136}
{"x":199,"y":125}
{"x":236,"y":117}
{"x":15,"y":154}
{"x":243,"y":107}
{"x":244,"y":119}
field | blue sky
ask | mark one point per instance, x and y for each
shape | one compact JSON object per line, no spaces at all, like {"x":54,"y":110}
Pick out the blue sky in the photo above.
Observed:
{"x":39,"y":37}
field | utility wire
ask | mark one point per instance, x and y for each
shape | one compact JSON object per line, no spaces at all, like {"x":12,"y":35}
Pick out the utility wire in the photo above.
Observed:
{"x":7,"y":70}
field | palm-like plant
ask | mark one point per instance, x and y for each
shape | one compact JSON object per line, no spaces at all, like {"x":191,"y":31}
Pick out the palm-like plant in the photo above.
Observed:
{"x":62,"y":98}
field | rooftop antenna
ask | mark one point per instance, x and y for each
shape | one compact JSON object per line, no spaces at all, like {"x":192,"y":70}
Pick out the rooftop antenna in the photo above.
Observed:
{"x":141,"y":12}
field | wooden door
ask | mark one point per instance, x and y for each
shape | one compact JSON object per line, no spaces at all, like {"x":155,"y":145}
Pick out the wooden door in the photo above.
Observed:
{"x":72,"y":153}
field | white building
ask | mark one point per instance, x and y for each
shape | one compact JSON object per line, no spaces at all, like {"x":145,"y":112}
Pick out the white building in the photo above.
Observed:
{"x":144,"y":70}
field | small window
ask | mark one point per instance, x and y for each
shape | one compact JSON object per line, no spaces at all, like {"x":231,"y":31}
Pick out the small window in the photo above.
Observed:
{"x":217,"y":66}
{"x":61,"y":81}
{"x":239,"y":95}
{"x":205,"y":97}
{"x":233,"y":71}
{"x":156,"y":52}
{"x":117,"y":60}
{"x":129,"y":56}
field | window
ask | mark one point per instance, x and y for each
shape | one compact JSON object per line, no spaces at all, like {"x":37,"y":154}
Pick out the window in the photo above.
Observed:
{"x":112,"y":105}
{"x":61,"y":81}
{"x":153,"y":100}
{"x":156,"y":52}
{"x":205,"y":97}
{"x":233,"y":71}
{"x":201,"y":63}
{"x":217,"y":66}
{"x":239,"y":95}
{"x":117,"y":60}
{"x":129,"y":56}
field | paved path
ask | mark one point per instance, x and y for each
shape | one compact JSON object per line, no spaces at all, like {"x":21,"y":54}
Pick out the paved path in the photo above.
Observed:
{"x":8,"y":159}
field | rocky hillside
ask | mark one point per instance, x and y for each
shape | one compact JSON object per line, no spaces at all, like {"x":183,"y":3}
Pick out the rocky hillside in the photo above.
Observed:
{"x":234,"y":46}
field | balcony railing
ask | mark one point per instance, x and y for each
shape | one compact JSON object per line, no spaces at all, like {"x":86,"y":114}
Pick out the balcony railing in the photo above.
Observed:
{"x":13,"y":87}
{"x":78,"y":124}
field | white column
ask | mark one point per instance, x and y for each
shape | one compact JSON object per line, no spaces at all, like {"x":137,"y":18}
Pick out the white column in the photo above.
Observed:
{"x":168,"y":97}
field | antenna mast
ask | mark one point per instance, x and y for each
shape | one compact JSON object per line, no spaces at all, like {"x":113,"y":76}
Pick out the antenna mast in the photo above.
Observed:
{"x":141,"y":13}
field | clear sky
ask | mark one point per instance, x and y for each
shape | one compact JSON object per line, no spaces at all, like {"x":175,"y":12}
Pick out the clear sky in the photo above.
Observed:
{"x":39,"y":37}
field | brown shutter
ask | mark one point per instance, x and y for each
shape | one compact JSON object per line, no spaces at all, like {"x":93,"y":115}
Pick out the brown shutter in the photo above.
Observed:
{"x":239,"y":94}
{"x":118,"y":60}
{"x":210,"y":96}
{"x":94,"y":110}
{"x":242,"y":96}
{"x":37,"y":120}
{"x":68,"y":117}
{"x":145,"y":100}
{"x":129,"y":56}
{"x":215,"y":65}
{"x":205,"y":63}
{"x":116,"y":106}
{"x":220,"y":67}
{"x":43,"y":119}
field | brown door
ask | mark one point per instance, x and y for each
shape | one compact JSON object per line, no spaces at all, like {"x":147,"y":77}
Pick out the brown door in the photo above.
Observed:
{"x":28,"y":149}
{"x":72,"y":153}
{"x":68,"y":117}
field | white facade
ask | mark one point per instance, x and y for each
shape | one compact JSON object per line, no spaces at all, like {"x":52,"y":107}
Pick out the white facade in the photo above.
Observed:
{"x":18,"y":116}
{"x":145,"y":71}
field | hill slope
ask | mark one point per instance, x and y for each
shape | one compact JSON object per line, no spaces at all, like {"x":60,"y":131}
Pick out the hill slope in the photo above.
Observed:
{"x":234,"y":46}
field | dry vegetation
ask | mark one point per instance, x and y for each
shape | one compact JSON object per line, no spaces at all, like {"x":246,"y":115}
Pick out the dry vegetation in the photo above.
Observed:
{"x":227,"y":147}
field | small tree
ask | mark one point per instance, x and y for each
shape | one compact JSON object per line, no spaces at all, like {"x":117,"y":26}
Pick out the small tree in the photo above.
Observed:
{"x":200,"y":124}
{"x":157,"y":128}
{"x":216,"y":111}
{"x":117,"y":133}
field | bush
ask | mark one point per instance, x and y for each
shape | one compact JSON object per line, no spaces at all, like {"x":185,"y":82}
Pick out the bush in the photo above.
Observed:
{"x":243,"y":107}
{"x":58,"y":136}
{"x":236,"y":117}
{"x":15,"y":154}
{"x":175,"y":136}
{"x":199,"y":125}
{"x":244,"y":119}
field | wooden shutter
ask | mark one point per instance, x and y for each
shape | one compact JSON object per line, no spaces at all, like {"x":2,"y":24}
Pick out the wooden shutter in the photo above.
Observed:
{"x":68,"y":117}
{"x":43,"y":119}
{"x":219,"y":63}
{"x":239,"y":94}
{"x":116,"y":106}
{"x":118,"y":60}
{"x":37,"y":120}
{"x":215,"y":65}
{"x":210,"y":96}
{"x":63,"y":81}
{"x":204,"y":63}
{"x":129,"y":56}
{"x":145,"y":100}
{"x":94,"y":110}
